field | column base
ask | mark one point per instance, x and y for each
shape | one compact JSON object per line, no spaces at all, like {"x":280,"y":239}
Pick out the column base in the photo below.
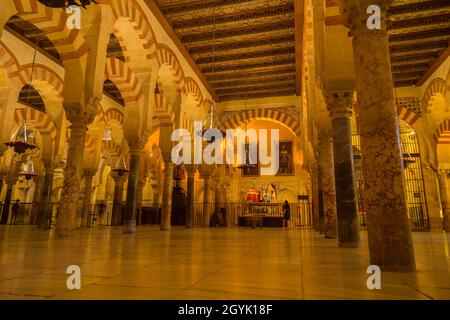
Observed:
{"x":130,"y":227}
{"x":165,"y":228}
{"x":348,"y":245}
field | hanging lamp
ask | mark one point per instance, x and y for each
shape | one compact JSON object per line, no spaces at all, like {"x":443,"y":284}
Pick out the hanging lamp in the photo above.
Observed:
{"x":23,"y":138}
{"x":212,"y":115}
{"x":121,"y":166}
{"x":28,"y":170}
{"x":66,"y":3}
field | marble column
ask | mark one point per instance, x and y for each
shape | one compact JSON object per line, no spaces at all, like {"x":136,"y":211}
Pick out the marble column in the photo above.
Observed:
{"x":207,"y":205}
{"x":119,"y":181}
{"x":388,"y":228}
{"x":328,"y":185}
{"x":140,"y":195}
{"x":10,"y":183}
{"x":315,"y":191}
{"x":37,"y":198}
{"x":340,"y":106}
{"x":132,"y":190}
{"x":45,"y":205}
{"x":88,"y":175}
{"x":321,"y":206}
{"x":166,"y":215}
{"x":442,"y":174}
{"x":190,"y":169}
{"x":68,"y":205}
{"x":1,"y":186}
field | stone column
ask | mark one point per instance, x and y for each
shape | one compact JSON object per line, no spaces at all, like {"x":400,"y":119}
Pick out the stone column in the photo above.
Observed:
{"x":328,"y":185}
{"x":315,"y":190}
{"x":166,"y":215}
{"x":442,"y":174}
{"x":45,"y":205}
{"x":140,"y":195}
{"x":389,"y":234}
{"x":190,"y":169}
{"x":207,"y":205}
{"x":37,"y":198}
{"x":119,"y":181}
{"x":132,"y":189}
{"x":88,"y":175}
{"x":10,"y":181}
{"x":340,"y":106}
{"x":68,"y":205}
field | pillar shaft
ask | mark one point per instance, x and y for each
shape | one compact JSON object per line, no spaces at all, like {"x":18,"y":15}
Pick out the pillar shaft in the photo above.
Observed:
{"x":190,"y":196}
{"x":389,"y":234}
{"x":116,"y":215}
{"x":207,"y":200}
{"x":67,"y":212}
{"x":167,"y":196}
{"x":132,"y":190}
{"x":339,"y":105}
{"x":140,"y":195}
{"x":7,"y":204}
{"x":315,"y":191}
{"x":45,"y":205}
{"x":444,"y":199}
{"x":328,"y":185}
{"x":87,"y":197}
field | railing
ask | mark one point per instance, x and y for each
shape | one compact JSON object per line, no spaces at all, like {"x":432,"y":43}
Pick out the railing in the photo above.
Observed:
{"x":229,"y":213}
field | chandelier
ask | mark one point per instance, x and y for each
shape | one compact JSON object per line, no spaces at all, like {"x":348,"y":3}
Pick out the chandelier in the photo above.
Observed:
{"x":212,"y":118}
{"x":121,"y":166}
{"x":28,"y":170}
{"x":23,"y":138}
{"x":66,"y":3}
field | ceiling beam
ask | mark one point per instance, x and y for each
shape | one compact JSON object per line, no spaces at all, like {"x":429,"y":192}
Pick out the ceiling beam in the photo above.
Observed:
{"x":299,"y":17}
{"x":153,"y":6}
{"x":434,"y":67}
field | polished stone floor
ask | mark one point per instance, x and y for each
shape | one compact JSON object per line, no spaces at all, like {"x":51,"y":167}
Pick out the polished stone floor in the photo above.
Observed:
{"x":209,"y":264}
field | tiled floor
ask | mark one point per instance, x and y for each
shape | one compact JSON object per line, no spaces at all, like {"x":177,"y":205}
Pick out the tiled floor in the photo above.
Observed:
{"x":209,"y":264}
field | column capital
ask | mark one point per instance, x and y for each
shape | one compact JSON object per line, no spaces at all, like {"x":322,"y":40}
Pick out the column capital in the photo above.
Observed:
{"x":340,"y":104}
{"x":206,"y":171}
{"x":79,"y":117}
{"x":443,"y":172}
{"x":89,"y":172}
{"x":191,"y":169}
{"x":48,"y":165}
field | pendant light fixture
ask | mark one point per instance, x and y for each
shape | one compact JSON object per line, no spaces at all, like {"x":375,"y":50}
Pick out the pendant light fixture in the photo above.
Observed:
{"x":213,"y":115}
{"x":28,"y":170}
{"x":121,"y":166}
{"x":66,"y":3}
{"x":23,"y":138}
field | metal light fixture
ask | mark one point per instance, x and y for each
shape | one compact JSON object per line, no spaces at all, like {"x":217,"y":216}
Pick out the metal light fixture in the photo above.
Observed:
{"x":66,"y":3}
{"x":212,"y":111}
{"x":28,"y":170}
{"x":121,"y":167}
{"x":23,"y":138}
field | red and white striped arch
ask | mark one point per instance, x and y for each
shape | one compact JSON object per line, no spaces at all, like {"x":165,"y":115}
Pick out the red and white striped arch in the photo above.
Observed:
{"x":39,"y":120}
{"x":132,"y":11}
{"x":271,"y":114}
{"x":166,"y":57}
{"x":442,"y":135}
{"x":194,"y":90}
{"x":70,"y":44}
{"x":124,"y":78}
{"x":163,"y":111}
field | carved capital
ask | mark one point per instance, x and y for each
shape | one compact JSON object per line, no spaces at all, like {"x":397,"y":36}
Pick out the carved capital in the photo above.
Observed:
{"x":49,"y":165}
{"x":443,"y":173}
{"x":191,"y":169}
{"x":340,"y":104}
{"x":118,"y":178}
{"x":207,"y":171}
{"x":79,"y":116}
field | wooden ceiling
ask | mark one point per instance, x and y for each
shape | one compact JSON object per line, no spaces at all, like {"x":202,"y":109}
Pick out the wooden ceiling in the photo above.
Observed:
{"x":419,"y":34}
{"x":245,"y":48}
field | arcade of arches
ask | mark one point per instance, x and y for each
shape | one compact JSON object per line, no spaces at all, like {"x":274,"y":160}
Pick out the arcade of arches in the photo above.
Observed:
{"x":363,"y":118}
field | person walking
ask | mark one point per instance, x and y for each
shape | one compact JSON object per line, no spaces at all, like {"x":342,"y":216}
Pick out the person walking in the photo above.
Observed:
{"x":286,"y":214}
